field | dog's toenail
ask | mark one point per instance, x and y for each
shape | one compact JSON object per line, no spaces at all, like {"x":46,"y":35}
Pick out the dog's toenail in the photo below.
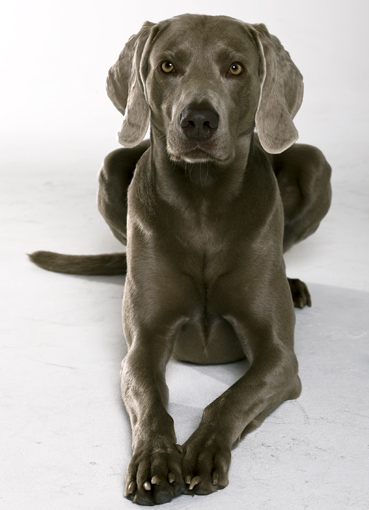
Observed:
{"x":131,"y":488}
{"x":171,"y":478}
{"x":196,"y":480}
{"x":147,"y":486}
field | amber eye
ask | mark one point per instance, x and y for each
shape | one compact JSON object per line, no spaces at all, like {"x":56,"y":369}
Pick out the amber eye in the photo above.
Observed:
{"x":167,"y":67}
{"x":236,"y":69}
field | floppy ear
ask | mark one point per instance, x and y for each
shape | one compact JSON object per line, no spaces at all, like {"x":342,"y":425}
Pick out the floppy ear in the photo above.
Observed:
{"x":125,"y":89}
{"x":281,"y":93}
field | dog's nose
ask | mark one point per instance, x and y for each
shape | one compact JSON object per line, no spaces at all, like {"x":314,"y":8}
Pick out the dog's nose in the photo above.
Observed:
{"x":199,"y":121}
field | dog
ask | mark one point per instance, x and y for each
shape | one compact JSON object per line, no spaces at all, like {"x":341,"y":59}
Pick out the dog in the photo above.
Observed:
{"x":206,"y":207}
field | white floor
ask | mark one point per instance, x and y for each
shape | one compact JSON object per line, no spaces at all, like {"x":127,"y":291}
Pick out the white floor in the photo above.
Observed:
{"x":64,"y":434}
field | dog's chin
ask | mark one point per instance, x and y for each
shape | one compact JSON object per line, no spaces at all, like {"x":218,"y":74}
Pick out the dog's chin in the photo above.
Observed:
{"x":197,"y":155}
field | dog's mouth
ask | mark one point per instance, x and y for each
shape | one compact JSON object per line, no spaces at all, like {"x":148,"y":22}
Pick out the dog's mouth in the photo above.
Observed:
{"x":196,"y":153}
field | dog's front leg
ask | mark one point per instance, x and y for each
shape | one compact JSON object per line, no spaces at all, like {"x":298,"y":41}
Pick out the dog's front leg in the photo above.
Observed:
{"x":271,"y":379}
{"x":155,"y":472}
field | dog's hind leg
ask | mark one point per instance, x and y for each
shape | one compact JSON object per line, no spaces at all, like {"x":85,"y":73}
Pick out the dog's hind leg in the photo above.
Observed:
{"x":303,"y":176}
{"x":114,"y":179}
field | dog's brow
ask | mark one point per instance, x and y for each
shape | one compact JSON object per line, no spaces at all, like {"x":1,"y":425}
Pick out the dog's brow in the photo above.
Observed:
{"x":232,"y":54}
{"x":170,"y":53}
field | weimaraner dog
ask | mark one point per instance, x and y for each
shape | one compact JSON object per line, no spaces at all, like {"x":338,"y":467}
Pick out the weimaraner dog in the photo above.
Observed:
{"x":206,"y":208}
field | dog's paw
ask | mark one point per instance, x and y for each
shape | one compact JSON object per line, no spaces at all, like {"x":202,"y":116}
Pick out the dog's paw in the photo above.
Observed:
{"x":155,"y":474}
{"x":205,"y":464}
{"x":300,"y":293}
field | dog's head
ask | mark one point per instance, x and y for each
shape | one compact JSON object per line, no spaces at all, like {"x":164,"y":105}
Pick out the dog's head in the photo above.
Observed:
{"x":204,"y":83}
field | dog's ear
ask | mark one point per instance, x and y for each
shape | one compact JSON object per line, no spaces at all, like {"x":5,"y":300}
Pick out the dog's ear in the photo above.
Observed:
{"x":281,"y":93}
{"x":125,"y":89}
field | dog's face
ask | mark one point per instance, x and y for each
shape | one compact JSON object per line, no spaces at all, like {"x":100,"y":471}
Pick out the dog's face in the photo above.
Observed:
{"x":204,"y":82}
{"x":202,"y":86}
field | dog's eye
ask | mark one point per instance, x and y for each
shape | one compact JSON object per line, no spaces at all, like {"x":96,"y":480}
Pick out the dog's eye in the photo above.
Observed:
{"x":167,"y":67}
{"x":236,"y":69}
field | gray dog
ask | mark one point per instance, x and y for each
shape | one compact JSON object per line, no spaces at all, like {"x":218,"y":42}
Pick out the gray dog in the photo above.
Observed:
{"x":206,"y":208}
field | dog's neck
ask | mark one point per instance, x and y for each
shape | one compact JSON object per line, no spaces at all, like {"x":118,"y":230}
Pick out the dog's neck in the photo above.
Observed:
{"x":205,"y":180}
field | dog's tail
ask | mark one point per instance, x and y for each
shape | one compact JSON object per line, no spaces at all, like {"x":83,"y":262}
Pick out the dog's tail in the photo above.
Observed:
{"x":88,"y":265}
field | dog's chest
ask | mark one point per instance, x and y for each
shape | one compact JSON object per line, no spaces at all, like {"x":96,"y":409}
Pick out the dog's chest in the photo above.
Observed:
{"x":204,"y":236}
{"x":207,"y":257}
